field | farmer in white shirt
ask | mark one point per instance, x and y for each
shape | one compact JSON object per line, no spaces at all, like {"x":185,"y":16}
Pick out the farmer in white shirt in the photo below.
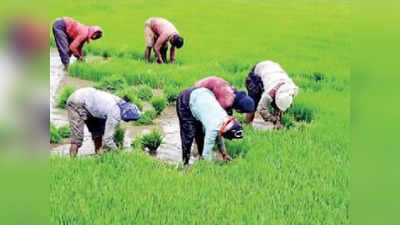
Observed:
{"x":270,"y":87}
{"x":101,"y":112}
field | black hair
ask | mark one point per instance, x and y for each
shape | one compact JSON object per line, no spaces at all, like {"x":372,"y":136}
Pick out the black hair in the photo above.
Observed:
{"x":126,"y":98}
{"x":177,"y":41}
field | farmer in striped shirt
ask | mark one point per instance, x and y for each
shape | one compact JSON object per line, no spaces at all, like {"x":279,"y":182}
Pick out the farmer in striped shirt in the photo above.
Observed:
{"x":157,"y":33}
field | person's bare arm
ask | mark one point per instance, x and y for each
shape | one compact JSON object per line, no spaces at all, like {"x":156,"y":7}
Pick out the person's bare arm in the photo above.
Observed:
{"x":157,"y":47}
{"x":172,"y":54}
{"x":76,"y":46}
{"x":222,"y":149}
{"x":250,"y":117}
{"x":278,"y":117}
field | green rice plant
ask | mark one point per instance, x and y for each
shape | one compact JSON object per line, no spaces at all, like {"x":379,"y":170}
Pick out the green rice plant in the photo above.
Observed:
{"x":137,"y":143}
{"x":112,"y":83}
{"x":146,"y":118}
{"x":292,"y":177}
{"x":64,"y":131}
{"x":55,"y":137}
{"x":287,"y":121}
{"x":241,"y":117}
{"x":119,"y":135}
{"x":63,"y":97}
{"x":171,"y":93}
{"x":159,"y":103}
{"x":130,"y":92}
{"x":144,"y":92}
{"x":236,"y":148}
{"x":151,"y":140}
{"x":302,"y":112}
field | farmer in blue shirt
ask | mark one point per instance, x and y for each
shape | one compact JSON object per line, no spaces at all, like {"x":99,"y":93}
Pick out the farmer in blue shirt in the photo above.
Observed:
{"x":101,"y":112}
{"x":202,"y":118}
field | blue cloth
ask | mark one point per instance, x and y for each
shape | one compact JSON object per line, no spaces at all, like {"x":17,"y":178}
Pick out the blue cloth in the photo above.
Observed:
{"x":243,"y":103}
{"x":205,"y":108}
{"x":129,"y":111}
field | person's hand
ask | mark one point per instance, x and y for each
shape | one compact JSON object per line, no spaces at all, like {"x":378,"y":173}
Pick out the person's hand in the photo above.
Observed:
{"x":278,"y":126}
{"x":226,"y":157}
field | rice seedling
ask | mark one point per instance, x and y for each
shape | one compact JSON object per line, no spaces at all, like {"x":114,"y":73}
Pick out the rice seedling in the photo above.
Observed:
{"x":159,"y":103}
{"x":63,"y":97}
{"x":112,"y":83}
{"x":130,"y":92}
{"x":64,"y":131}
{"x":144,"y":92}
{"x":55,"y":137}
{"x":171,"y":93}
{"x":149,"y":141}
{"x":146,"y":118}
{"x":119,"y":135}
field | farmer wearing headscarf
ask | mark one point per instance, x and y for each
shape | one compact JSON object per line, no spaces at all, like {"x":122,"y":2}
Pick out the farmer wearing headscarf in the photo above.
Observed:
{"x":228,"y":97}
{"x":101,"y":112}
{"x":70,"y":36}
{"x":270,"y":86}
{"x":202,"y":118}
{"x":157,"y":33}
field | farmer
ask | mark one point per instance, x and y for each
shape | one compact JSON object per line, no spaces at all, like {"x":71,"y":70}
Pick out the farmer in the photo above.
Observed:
{"x":228,"y":97}
{"x":70,"y":36}
{"x":270,"y":86}
{"x":157,"y":33}
{"x":202,"y":118}
{"x":101,"y":112}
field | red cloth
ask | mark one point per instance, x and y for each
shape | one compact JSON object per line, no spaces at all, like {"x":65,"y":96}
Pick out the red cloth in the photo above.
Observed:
{"x":79,"y":34}
{"x":222,"y":90}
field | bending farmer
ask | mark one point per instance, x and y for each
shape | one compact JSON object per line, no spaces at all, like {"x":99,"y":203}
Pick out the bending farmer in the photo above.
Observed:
{"x":157,"y":33}
{"x":227,"y":96}
{"x":203,"y":119}
{"x":101,"y":112}
{"x":70,"y":36}
{"x":270,"y":87}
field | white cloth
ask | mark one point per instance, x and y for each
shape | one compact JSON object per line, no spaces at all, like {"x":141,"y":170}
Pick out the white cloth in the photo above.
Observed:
{"x":272,"y":74}
{"x":101,"y":105}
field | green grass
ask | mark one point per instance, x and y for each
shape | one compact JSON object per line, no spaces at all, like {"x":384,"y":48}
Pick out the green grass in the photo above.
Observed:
{"x":159,"y":103}
{"x":55,"y":137}
{"x":63,"y":96}
{"x":292,"y":176}
{"x":150,"y":141}
{"x":146,"y":118}
{"x":119,"y":135}
{"x":64,"y":131}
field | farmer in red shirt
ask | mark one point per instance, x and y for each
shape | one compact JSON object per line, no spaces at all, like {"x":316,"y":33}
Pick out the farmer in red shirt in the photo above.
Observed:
{"x":157,"y":33}
{"x":228,"y":97}
{"x":70,"y":36}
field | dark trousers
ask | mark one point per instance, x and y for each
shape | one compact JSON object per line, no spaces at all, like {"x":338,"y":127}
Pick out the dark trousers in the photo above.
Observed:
{"x":254,"y":86}
{"x":190,"y":128}
{"x":62,"y":40}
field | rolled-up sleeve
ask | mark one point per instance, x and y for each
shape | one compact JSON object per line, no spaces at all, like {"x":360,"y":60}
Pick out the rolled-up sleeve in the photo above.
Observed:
{"x":209,"y":142}
{"x":113,"y":120}
{"x":262,"y":107}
